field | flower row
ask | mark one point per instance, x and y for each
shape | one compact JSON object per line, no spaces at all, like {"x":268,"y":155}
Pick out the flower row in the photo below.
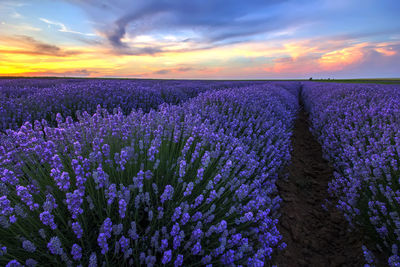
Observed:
{"x":358,"y":127}
{"x":185,"y":185}
{"x":24,"y":100}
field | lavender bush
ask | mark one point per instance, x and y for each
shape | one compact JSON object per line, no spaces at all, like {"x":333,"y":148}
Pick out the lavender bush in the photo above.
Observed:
{"x":358,"y":127}
{"x":24,"y":100}
{"x":184,"y":185}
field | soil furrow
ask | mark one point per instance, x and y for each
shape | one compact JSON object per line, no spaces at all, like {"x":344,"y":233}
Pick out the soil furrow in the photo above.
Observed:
{"x":314,"y":236}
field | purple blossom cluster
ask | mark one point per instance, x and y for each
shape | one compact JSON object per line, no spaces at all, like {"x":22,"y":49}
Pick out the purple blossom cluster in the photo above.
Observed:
{"x":24,"y":100}
{"x":184,"y":184}
{"x":358,"y":128}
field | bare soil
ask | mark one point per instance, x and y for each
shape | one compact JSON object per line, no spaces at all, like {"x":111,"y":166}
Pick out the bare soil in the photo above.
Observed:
{"x":314,"y":236}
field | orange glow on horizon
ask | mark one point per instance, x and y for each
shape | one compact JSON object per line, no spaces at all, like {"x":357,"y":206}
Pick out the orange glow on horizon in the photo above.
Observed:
{"x":262,"y":58}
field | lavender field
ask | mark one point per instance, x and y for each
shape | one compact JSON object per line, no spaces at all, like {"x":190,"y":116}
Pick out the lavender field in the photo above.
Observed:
{"x":97,"y":172}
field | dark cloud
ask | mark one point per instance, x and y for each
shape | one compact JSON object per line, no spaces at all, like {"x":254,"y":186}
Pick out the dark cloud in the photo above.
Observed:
{"x":81,"y":72}
{"x":184,"y":69}
{"x":215,"y":22}
{"x":162,"y":72}
{"x":137,"y":51}
{"x":174,"y":70}
{"x":70,"y":73}
{"x":28,"y":45}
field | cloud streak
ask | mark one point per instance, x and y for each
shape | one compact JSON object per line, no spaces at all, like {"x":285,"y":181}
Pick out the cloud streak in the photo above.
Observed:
{"x":210,"y":22}
{"x":22,"y":44}
{"x":63,"y":28}
{"x":201,"y":38}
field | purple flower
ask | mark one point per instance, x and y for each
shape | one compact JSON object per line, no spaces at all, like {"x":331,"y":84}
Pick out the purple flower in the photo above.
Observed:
{"x":50,"y":203}
{"x":54,"y":246}
{"x":221,"y":226}
{"x":394,"y":261}
{"x":164,"y":244}
{"x":28,"y":246}
{"x":5,"y":206}
{"x":77,"y":148}
{"x":248,"y":216}
{"x":122,"y":208}
{"x":100,"y":177}
{"x":26,"y":197}
{"x":3,"y":250}
{"x":48,"y":219}
{"x":179,"y":260}
{"x":13,"y":263}
{"x":132,"y":232}
{"x":80,"y":183}
{"x":102,"y":241}
{"x":369,"y":257}
{"x":124,"y":243}
{"x":228,"y":257}
{"x":13,"y":219}
{"x":31,"y":263}
{"x":62,"y":179}
{"x":167,"y":256}
{"x":200,"y":173}
{"x":9,"y":177}
{"x":196,"y":248}
{"x":198,"y":201}
{"x":74,"y":201}
{"x":177,"y":214}
{"x":167,"y":195}
{"x":182,"y":168}
{"x":76,"y":252}
{"x":175,"y":229}
{"x":189,"y":189}
{"x":197,"y":216}
{"x":206,"y":259}
{"x":106,"y":228}
{"x":76,"y":227}
{"x":93,"y":260}
{"x":177,"y":242}
{"x":212,"y":196}
{"x":160,"y":212}
{"x":106,"y":150}
{"x":185,"y":218}
{"x":117,"y":229}
{"x":197,"y":234}
{"x":111,"y":193}
{"x":236,"y":239}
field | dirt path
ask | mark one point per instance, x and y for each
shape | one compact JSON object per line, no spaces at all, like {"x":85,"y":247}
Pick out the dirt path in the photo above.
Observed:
{"x":314,"y":236}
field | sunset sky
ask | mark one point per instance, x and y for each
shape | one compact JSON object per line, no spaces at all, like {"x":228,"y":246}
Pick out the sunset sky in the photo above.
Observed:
{"x":216,"y":39}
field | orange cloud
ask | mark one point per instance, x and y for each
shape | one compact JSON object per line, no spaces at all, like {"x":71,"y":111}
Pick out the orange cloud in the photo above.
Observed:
{"x":23,"y":55}
{"x":301,"y":65}
{"x":339,"y":59}
{"x":385,"y":51}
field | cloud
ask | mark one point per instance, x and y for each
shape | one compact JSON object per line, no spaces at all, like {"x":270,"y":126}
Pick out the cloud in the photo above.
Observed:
{"x":65,"y":73}
{"x":206,"y":23}
{"x":138,"y":51}
{"x":175,"y":70}
{"x":63,"y":28}
{"x":162,"y":72}
{"x":22,"y":44}
{"x":330,"y":59}
{"x":375,"y":64}
{"x":339,"y":59}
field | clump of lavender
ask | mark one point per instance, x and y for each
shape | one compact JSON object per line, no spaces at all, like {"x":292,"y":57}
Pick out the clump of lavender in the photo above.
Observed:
{"x":358,"y":127}
{"x":32,"y":99}
{"x":176,"y":186}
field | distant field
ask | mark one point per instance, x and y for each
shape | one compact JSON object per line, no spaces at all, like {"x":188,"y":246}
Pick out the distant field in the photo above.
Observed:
{"x":381,"y":81}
